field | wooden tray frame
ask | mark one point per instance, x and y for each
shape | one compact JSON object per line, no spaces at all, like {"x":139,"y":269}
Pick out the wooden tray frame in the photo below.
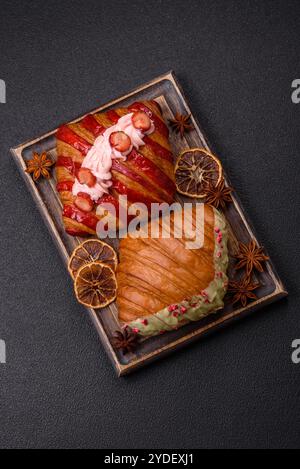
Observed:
{"x":186,"y":335}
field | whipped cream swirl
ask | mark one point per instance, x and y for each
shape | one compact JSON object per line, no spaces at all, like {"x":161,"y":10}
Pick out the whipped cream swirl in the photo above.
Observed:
{"x":100,"y":157}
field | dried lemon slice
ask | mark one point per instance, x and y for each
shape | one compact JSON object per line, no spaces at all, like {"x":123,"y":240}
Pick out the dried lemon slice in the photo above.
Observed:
{"x":95,"y":285}
{"x":195,"y":170}
{"x":92,"y":250}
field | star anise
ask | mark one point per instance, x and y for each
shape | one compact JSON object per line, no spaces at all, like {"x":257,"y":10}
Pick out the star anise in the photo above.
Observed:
{"x":242,"y":291}
{"x":250,"y":257}
{"x":218,"y":195}
{"x":181,"y":124}
{"x":126,"y":341}
{"x":39,"y":166}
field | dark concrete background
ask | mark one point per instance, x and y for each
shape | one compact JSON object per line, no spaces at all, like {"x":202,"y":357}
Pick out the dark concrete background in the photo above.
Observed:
{"x":236,"y":61}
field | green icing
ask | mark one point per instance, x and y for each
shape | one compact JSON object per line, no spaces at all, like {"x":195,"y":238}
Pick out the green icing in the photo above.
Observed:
{"x":200,"y":305}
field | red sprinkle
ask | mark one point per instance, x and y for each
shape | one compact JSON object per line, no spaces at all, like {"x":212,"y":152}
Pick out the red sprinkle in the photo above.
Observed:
{"x":183,"y":309}
{"x":135,"y":330}
{"x":217,"y":230}
{"x":176,"y":314}
{"x":145,"y":322}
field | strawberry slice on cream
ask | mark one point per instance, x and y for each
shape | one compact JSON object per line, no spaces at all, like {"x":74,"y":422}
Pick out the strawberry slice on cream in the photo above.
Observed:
{"x":84,"y":202}
{"x":85,"y":176}
{"x":141,"y":121}
{"x":120,"y":141}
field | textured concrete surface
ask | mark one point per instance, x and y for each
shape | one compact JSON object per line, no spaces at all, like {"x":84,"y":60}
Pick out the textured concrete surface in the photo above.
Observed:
{"x":236,"y":62}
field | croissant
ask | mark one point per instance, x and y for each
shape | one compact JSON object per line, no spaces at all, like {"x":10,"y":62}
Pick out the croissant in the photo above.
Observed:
{"x":144,"y":174}
{"x":163,"y":285}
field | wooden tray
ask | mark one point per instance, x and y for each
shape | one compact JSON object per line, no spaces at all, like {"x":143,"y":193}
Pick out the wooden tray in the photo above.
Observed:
{"x":166,"y":90}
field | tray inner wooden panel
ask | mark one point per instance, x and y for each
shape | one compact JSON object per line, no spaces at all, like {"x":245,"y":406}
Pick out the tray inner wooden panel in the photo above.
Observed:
{"x":171,"y":101}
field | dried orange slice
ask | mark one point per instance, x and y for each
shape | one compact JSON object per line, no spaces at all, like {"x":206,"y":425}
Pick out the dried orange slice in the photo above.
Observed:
{"x":92,"y":250}
{"x":195,"y":170}
{"x":95,"y":285}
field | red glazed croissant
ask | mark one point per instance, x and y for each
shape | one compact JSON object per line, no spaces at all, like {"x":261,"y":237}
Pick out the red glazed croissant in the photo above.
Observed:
{"x":145,"y":176}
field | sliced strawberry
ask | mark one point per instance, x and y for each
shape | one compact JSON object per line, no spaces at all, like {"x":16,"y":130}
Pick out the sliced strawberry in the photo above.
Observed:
{"x":120,"y":141}
{"x":85,"y":176}
{"x":84,"y":202}
{"x":160,"y":126}
{"x":141,"y":121}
